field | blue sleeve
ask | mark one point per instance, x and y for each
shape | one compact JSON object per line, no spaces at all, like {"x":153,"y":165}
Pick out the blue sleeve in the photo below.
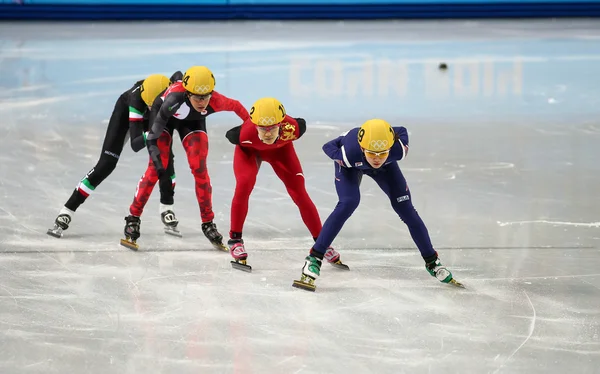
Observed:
{"x":402,"y":134}
{"x":333,"y":149}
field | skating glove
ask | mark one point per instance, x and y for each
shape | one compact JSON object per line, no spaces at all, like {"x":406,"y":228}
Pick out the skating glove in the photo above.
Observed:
{"x":233,"y":135}
{"x":155,"y":156}
{"x":177,"y":76}
{"x":301,"y":126}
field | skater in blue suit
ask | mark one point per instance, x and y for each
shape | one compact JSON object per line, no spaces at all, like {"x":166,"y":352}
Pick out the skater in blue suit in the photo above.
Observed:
{"x":372,"y":149}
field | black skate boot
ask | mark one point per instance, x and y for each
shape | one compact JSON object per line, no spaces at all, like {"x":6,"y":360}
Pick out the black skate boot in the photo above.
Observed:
{"x":216,"y":239}
{"x":170,"y":221}
{"x":132,"y":232}
{"x":61,"y":223}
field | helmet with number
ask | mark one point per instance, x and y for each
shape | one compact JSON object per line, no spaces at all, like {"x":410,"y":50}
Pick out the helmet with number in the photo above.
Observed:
{"x":376,"y":135}
{"x":199,"y":80}
{"x":152,"y":86}
{"x":267,"y":112}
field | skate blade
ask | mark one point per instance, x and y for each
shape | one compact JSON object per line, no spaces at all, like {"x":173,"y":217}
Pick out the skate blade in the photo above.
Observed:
{"x":304,"y":286}
{"x":129,"y":244}
{"x":220,"y":247}
{"x":339,"y":265}
{"x":173,"y":231}
{"x":455,"y":283}
{"x":57,"y":233}
{"x":241,"y":266}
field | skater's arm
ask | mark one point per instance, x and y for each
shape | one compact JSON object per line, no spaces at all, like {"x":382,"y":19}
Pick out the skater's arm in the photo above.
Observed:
{"x":222,"y":103}
{"x":138,"y":139}
{"x":137,"y":109}
{"x":402,"y":140}
{"x":165,"y":112}
{"x":333,"y":149}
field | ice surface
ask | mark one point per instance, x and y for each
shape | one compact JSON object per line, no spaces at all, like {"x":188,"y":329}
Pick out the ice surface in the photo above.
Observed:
{"x":503,"y":168}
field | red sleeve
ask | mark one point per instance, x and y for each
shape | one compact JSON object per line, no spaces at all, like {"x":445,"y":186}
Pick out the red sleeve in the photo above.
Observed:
{"x":290,"y":130}
{"x":222,"y":103}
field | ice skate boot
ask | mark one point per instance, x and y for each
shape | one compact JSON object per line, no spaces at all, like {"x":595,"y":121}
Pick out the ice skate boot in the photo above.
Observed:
{"x":132,"y":232}
{"x":168,"y":219}
{"x":333,"y":257}
{"x":61,"y":222}
{"x":239,"y":254}
{"x":216,"y":239}
{"x":439,"y":271}
{"x":310,"y":272}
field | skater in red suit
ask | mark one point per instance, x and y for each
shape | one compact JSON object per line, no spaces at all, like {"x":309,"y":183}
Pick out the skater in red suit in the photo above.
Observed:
{"x":184,"y":107}
{"x":268,"y":136}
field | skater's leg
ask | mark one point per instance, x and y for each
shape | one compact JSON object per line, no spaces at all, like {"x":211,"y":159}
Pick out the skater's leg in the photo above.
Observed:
{"x":148,"y":180}
{"x":393,"y":183}
{"x":195,"y":144}
{"x":112,"y":147}
{"x":167,"y":190}
{"x":245,"y":168}
{"x":196,"y":149}
{"x":287,"y":166}
{"x":167,"y":185}
{"x":347,"y":186}
{"x":114,"y":139}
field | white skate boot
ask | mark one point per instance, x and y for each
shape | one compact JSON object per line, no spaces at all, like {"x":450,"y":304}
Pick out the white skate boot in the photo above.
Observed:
{"x":61,"y":222}
{"x":168,"y":219}
{"x":310,"y":272}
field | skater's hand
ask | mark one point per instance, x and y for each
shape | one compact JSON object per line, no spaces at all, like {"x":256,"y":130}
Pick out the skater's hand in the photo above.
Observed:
{"x":233,"y":135}
{"x":176,"y":77}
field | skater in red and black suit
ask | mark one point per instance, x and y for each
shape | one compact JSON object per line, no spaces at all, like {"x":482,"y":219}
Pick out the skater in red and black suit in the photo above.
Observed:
{"x":183,"y":107}
{"x":267,"y":136}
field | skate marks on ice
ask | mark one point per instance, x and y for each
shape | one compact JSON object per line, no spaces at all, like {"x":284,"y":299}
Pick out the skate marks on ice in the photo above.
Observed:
{"x":386,"y":315}
{"x":500,"y":313}
{"x":554,"y":223}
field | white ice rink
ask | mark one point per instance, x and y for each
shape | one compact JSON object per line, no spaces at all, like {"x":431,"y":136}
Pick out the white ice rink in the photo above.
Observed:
{"x":504,"y":169}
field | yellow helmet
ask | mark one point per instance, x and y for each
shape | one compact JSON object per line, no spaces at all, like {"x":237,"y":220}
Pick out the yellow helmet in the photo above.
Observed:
{"x":267,"y":112}
{"x":152,"y":86}
{"x":199,"y":80}
{"x":376,"y":135}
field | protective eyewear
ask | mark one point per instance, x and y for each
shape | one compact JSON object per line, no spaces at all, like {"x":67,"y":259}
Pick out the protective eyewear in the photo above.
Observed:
{"x":200,"y":97}
{"x":268,"y":128}
{"x":376,"y":154}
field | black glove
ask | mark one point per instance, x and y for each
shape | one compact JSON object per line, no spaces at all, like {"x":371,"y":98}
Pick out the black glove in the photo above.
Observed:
{"x":177,"y":76}
{"x":301,"y":125}
{"x":155,"y":157}
{"x":233,"y":135}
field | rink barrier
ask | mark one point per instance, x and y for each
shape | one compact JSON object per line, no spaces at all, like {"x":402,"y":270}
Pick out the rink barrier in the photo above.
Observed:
{"x":302,"y":10}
